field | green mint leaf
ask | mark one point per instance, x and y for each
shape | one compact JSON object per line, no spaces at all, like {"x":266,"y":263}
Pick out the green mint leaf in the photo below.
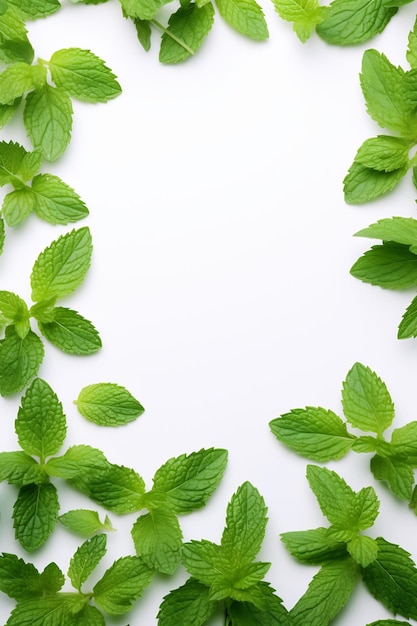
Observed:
{"x":19,"y":360}
{"x":245,"y":524}
{"x":35,"y":514}
{"x":364,"y":184}
{"x":13,"y":310}
{"x":47,"y":611}
{"x":351,"y":22}
{"x":16,"y":164}
{"x":18,"y":468}
{"x":390,"y":265}
{"x":14,"y":44}
{"x":189,"y":480}
{"x":392,"y":579}
{"x":43,"y":311}
{"x":366,"y":400}
{"x":191,"y":601}
{"x":76,"y":463}
{"x":190,"y":25}
{"x":34,"y":9}
{"x":122,"y":584}
{"x":412,"y":47}
{"x":385,"y":95}
{"x":17,"y":206}
{"x":62,"y":266}
{"x":304,"y":14}
{"x":313,"y":546}
{"x":19,"y":580}
{"x":158,"y":540}
{"x":48,"y":120}
{"x":408,"y":325}
{"x":388,"y":622}
{"x":55,"y":202}
{"x":89,"y":616}
{"x":143,"y":31}
{"x":272,"y":613}
{"x":142,"y":9}
{"x":2,"y":235}
{"x":363,"y":550}
{"x":396,"y":472}
{"x":108,"y":404}
{"x":327,"y":594}
{"x":41,"y":424}
{"x":245,"y":16}
{"x":17,"y":79}
{"x":206,"y":561}
{"x":398,"y":229}
{"x":384,"y":153}
{"x":315,"y":433}
{"x":86,"y":559}
{"x":85,"y":523}
{"x":7,"y":111}
{"x":83,"y":75}
{"x":51,"y":579}
{"x":70,"y":332}
{"x":404,"y":442}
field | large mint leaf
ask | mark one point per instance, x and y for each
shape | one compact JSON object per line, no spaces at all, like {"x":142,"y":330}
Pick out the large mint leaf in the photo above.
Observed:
{"x":71,"y":332}
{"x":56,"y":202}
{"x":35,"y":514}
{"x":122,"y":584}
{"x":352,"y":22}
{"x":364,"y":184}
{"x":47,"y":611}
{"x":158,"y":540}
{"x":190,"y":25}
{"x":390,"y":265}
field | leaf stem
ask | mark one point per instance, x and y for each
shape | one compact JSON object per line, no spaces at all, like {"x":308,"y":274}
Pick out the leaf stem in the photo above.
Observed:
{"x":174,"y":37}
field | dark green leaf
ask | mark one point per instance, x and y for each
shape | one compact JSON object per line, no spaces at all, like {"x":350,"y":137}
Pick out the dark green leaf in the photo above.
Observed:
{"x":191,"y":601}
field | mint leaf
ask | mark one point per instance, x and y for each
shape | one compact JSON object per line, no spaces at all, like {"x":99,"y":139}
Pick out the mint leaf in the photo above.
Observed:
{"x":86,"y":559}
{"x":398,"y":229}
{"x":143,"y":9}
{"x":366,"y":400}
{"x":85,"y":522}
{"x":13,"y":311}
{"x":272,"y":613}
{"x":47,"y":611}
{"x":351,"y":22}
{"x":7,"y":111}
{"x":404,"y":442}
{"x":304,"y":14}
{"x":191,"y":601}
{"x":35,"y":514}
{"x":19,"y":78}
{"x":397,"y":472}
{"x":108,"y":404}
{"x":143,"y":31}
{"x":190,"y":25}
{"x":83,"y":75}
{"x":245,"y":16}
{"x":385,"y":95}
{"x":206,"y":561}
{"x":327,"y":594}
{"x":40,"y":424}
{"x":364,"y":184}
{"x":384,"y":153}
{"x":16,"y":164}
{"x":18,"y":468}
{"x":55,"y":202}
{"x":121,"y":585}
{"x":315,"y":433}
{"x":48,"y":120}
{"x":408,"y":325}
{"x":14,"y":44}
{"x":363,"y":550}
{"x":189,"y":480}
{"x":19,"y":360}
{"x":392,"y":579}
{"x":19,"y":580}
{"x":245,"y":524}
{"x":52,"y":579}
{"x":390,"y":265}
{"x":17,"y":206}
{"x":89,"y":615}
{"x":158,"y":540}
{"x":313,"y":546}
{"x":2,"y":235}
{"x":34,"y":9}
{"x":62,"y":266}
{"x":412,"y":47}
{"x":77,"y":462}
{"x":70,"y":332}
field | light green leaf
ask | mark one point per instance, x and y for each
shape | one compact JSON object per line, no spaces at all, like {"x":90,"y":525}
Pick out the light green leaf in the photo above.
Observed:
{"x":245,"y":16}
{"x":18,"y":468}
{"x":384,"y":153}
{"x":189,"y":480}
{"x":398,"y":229}
{"x":404,"y":442}
{"x":304,"y":14}
{"x":327,"y":594}
{"x":70,"y":332}
{"x":366,"y":400}
{"x":122,"y":584}
{"x":272,"y":613}
{"x":47,"y":611}
{"x":34,"y":9}
{"x":62,"y":266}
{"x":396,"y":472}
{"x":7,"y":111}
{"x":77,"y":462}
{"x":35,"y":514}
{"x":313,"y":432}
{"x":313,"y":546}
{"x":86,"y":559}
{"x":364,"y":184}
{"x":19,"y":360}
{"x":41,"y":423}
{"x":108,"y":404}
{"x":16,"y":164}
{"x":13,"y":310}
{"x":48,"y":120}
{"x":390,"y":265}
{"x":55,"y":201}
{"x":83,"y":75}
{"x":412,"y":47}
{"x":335,"y":497}
{"x":191,"y":601}
{"x":158,"y":540}
{"x":206,"y":561}
{"x":392,"y":579}
{"x":85,"y":523}
{"x":350,"y":22}
{"x":245,"y":524}
{"x":17,"y":206}
{"x":142,"y":9}
{"x":14,"y":44}
{"x":190,"y":25}
{"x":19,"y":78}
{"x":363,"y":550}
{"x":2,"y":235}
{"x":408,"y":325}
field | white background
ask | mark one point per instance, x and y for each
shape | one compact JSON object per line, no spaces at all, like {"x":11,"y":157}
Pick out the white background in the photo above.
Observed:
{"x":220,"y":279}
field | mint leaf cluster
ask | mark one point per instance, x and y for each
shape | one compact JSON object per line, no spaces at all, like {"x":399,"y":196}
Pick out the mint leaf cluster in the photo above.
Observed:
{"x":321,"y":435}
{"x":56,"y":273}
{"x":39,"y":595}
{"x":345,"y":555}
{"x":227,"y":574}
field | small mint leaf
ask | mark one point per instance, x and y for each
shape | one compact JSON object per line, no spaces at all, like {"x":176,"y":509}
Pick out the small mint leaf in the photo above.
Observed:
{"x":108,"y":404}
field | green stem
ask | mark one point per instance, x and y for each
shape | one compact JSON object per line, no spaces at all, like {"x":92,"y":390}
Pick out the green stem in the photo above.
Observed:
{"x":174,"y":37}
